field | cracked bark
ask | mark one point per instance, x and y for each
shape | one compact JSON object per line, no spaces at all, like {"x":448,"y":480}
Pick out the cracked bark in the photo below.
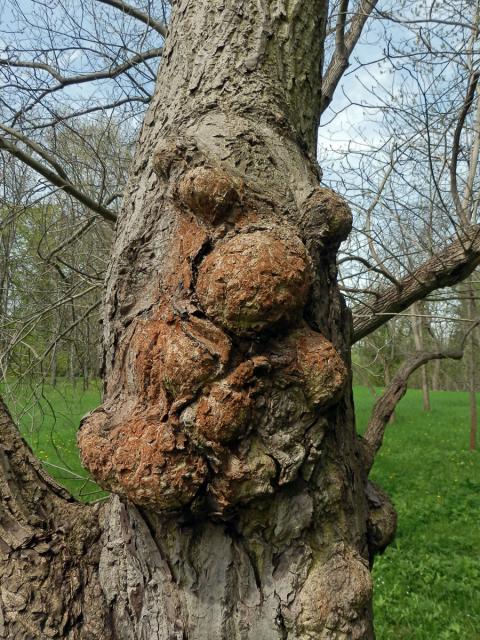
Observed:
{"x":49,"y":552}
{"x":253,"y":523}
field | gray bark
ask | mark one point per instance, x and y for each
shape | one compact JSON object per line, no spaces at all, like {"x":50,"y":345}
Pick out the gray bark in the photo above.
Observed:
{"x":445,"y":269}
{"x":417,"y":328}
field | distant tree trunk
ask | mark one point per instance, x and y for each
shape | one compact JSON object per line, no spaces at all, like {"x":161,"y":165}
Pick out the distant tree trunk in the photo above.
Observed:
{"x":472,"y":369}
{"x":227,"y":416}
{"x":436,"y":375}
{"x":7,"y":237}
{"x":416,"y":311}
{"x":53,"y":367}
{"x":54,"y":357}
{"x":86,"y":375}
{"x":71,"y":363}
{"x":387,"y":380}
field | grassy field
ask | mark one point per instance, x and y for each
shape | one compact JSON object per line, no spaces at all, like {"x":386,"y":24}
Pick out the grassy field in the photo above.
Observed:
{"x":427,"y":584}
{"x":49,"y":419}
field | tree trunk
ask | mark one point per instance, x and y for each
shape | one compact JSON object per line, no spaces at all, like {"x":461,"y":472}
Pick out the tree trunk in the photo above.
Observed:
{"x":387,"y":378}
{"x":242,"y":509}
{"x":7,"y":239}
{"x":472,"y":369}
{"x":71,"y":362}
{"x":436,"y":376}
{"x":417,"y":329}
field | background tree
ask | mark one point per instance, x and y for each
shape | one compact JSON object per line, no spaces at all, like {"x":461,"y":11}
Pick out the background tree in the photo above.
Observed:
{"x":417,"y":189}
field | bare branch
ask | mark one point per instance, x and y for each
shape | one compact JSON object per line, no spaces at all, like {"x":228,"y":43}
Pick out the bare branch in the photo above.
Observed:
{"x":57,"y":180}
{"x":70,"y":239}
{"x":34,"y":146}
{"x":434,"y":21}
{"x":449,"y":267}
{"x":27,"y":492}
{"x":385,"y":405}
{"x":344,"y":46}
{"x":147,"y":19}
{"x":340,"y":28}
{"x":58,"y":119}
{"x":456,"y":147}
{"x":81,"y":78}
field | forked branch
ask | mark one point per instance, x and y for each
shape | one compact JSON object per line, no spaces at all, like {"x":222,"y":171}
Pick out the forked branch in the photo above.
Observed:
{"x":56,"y":179}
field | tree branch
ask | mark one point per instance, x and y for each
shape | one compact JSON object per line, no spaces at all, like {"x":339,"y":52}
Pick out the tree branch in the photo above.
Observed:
{"x":27,"y":493}
{"x":447,"y":268}
{"x":385,"y":405}
{"x":85,"y":112}
{"x":456,"y":147}
{"x":147,"y":19}
{"x":81,"y":78}
{"x":435,"y":21}
{"x":34,"y":146}
{"x":344,"y":45}
{"x":57,"y":180}
{"x":46,"y":540}
{"x":77,"y":234}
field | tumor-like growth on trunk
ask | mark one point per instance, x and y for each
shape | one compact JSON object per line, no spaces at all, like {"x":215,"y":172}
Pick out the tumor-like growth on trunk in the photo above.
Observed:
{"x":221,"y":383}
{"x":326,"y":214}
{"x":255,"y":280}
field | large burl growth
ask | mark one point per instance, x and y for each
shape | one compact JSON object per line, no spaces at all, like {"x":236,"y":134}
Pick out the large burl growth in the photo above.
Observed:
{"x":219,"y":384}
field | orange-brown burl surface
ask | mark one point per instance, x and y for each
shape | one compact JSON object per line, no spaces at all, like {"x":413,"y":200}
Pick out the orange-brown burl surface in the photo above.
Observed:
{"x":193,"y":373}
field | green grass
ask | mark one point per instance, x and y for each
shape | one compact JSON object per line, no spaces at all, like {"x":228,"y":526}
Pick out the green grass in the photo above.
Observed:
{"x":48,"y":418}
{"x":427,"y":584}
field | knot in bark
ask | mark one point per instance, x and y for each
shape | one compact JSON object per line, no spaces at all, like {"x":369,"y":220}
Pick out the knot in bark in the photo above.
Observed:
{"x":220,"y":383}
{"x":209,"y":193}
{"x":326,"y":216}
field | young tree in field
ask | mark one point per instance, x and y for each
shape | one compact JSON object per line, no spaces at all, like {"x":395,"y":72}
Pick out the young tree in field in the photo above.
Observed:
{"x":241,"y":504}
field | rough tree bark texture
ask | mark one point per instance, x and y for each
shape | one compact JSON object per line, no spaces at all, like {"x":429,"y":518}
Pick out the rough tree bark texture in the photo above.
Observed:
{"x":394,"y":392}
{"x":243,"y":509}
{"x":49,"y":552}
